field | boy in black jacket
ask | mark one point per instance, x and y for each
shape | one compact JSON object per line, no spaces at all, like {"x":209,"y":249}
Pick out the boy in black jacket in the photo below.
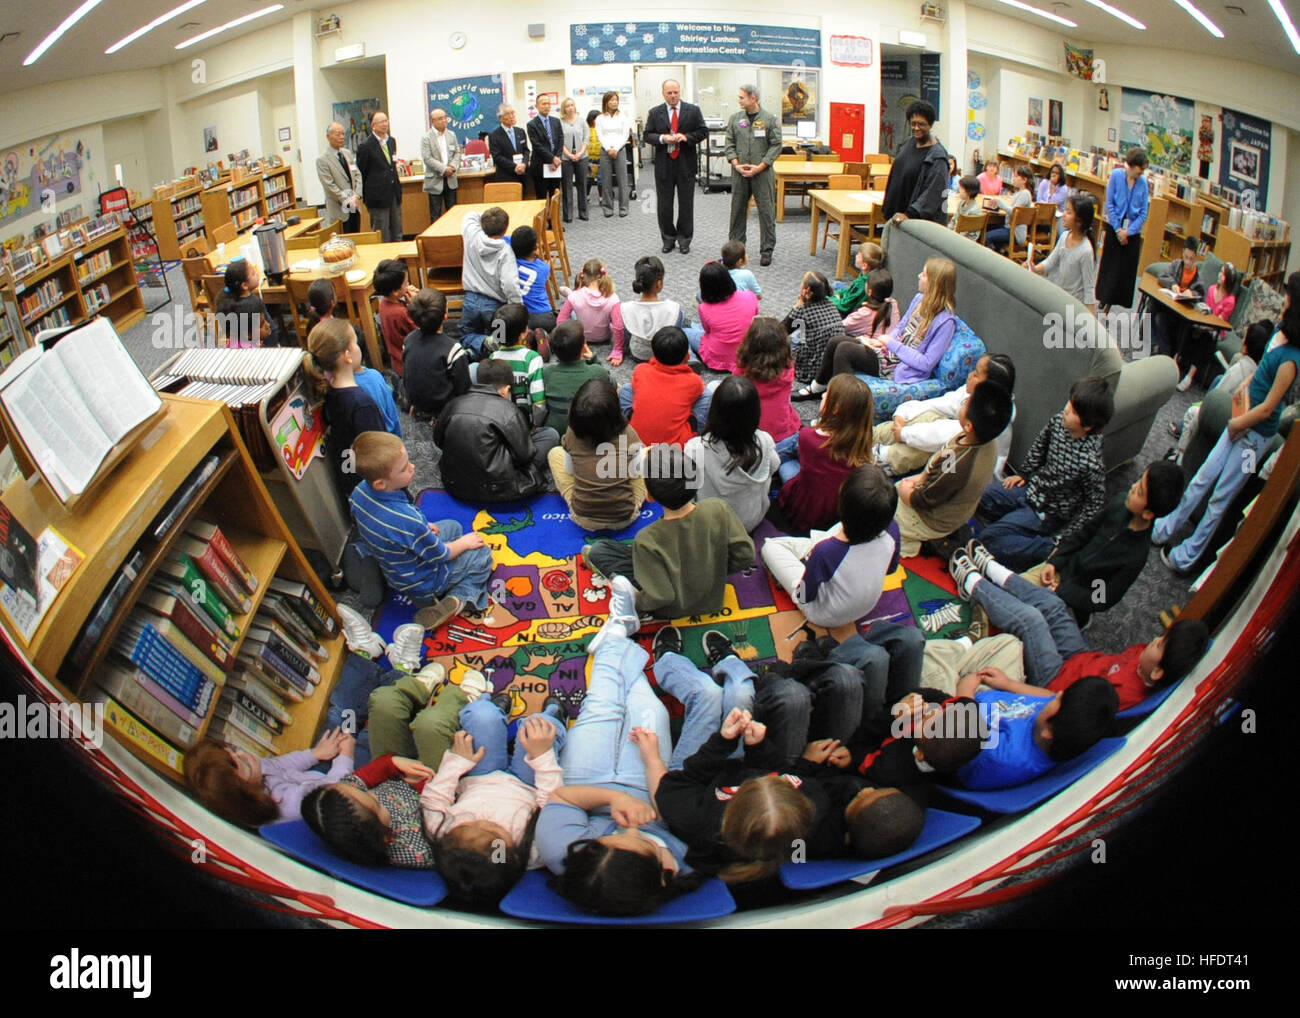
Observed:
{"x":436,"y":366}
{"x":488,"y":451}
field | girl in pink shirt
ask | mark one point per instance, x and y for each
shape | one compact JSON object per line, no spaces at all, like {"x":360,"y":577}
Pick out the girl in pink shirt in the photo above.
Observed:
{"x":765,"y":359}
{"x":1199,"y":345}
{"x":595,"y":304}
{"x":725,"y":315}
{"x":480,"y":808}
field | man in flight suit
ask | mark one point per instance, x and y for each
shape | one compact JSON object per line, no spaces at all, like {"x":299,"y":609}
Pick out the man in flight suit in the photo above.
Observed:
{"x":753,"y":143}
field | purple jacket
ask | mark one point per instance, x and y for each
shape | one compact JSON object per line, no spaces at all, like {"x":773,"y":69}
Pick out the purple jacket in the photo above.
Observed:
{"x":290,"y":777}
{"x":918,"y":363}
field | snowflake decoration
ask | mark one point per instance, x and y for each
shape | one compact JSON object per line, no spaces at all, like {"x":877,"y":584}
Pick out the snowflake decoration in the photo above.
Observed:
{"x":661,"y":52}
{"x":607,"y":29}
{"x":663,"y":26}
{"x":634,"y":54}
{"x":620,"y":40}
{"x":608,"y":55}
{"x":581,"y":54}
{"x":1229,"y":122}
{"x":579,"y":29}
{"x":648,"y":38}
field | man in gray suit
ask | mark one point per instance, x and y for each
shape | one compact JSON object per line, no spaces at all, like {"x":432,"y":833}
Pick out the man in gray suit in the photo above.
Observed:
{"x":441,"y":154}
{"x":337,"y":169}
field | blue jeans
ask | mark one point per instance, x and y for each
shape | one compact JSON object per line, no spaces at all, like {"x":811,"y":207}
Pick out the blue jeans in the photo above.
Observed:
{"x":619,"y":698}
{"x":468,"y":572}
{"x":706,"y":705}
{"x":1224,"y":472}
{"x":699,"y":410}
{"x":1038,"y":618}
{"x":890,"y":658}
{"x":483,"y":720}
{"x":788,"y":450}
{"x":476,"y":311}
{"x":350,"y":700}
{"x":997,"y":237}
{"x":1019,"y":539}
{"x":694,"y":336}
{"x":828,"y":706}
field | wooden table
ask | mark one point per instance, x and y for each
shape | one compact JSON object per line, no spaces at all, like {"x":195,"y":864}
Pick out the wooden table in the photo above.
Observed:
{"x":791,"y":171}
{"x":849,"y":209}
{"x":368,"y":258}
{"x":415,"y":202}
{"x":1185,"y":310}
{"x":521,"y":213}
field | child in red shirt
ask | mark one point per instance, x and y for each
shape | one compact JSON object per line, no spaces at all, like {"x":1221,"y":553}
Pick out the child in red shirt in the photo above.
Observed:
{"x":395,"y":324}
{"x":666,"y":392}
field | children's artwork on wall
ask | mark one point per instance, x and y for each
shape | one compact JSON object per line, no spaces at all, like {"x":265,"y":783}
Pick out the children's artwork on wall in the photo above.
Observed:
{"x":52,"y":165}
{"x":355,"y":116}
{"x":1244,"y":150}
{"x":1160,"y":125}
{"x":1055,"y":118}
{"x":1035,"y":113}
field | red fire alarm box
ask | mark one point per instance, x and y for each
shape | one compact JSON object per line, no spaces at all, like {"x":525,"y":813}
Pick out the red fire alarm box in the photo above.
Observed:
{"x":846,"y":135}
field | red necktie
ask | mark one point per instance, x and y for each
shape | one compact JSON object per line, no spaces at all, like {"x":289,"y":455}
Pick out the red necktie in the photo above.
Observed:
{"x":672,"y":151}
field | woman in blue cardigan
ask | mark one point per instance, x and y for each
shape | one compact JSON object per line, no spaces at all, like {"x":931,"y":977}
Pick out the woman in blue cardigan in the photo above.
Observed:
{"x":1126,"y":214}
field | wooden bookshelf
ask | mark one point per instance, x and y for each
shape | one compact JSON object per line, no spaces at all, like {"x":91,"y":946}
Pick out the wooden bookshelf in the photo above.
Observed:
{"x":277,"y":190}
{"x":1257,"y":259}
{"x":106,"y":276}
{"x":50,"y":294}
{"x":110,"y":528}
{"x":177,"y":219}
{"x":13,"y":337}
{"x":140,"y":237}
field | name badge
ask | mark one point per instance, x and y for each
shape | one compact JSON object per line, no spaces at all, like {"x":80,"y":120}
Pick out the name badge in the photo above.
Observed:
{"x":760,"y":132}
{"x":518,"y":158}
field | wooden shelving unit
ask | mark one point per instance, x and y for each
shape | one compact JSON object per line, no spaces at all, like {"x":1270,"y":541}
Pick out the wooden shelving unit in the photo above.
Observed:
{"x":107,"y":279}
{"x":109,"y":528}
{"x":50,"y":296}
{"x":1257,"y":259}
{"x":258,"y":195}
{"x":178,"y":219}
{"x":13,"y":338}
{"x":277,"y":190}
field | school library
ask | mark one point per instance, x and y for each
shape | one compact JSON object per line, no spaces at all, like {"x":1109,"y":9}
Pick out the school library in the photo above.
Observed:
{"x":415,"y":488}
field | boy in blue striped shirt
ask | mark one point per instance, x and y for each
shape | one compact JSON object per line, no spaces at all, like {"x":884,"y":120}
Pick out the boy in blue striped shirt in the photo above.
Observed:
{"x":434,"y":564}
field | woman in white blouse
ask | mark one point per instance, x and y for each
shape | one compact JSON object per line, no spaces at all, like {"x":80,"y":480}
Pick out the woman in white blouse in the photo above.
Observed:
{"x":613,"y":129}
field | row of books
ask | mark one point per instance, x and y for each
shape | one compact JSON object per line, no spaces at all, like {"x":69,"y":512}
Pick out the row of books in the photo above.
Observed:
{"x":96,"y":297}
{"x":243,"y":196}
{"x":56,"y":319}
{"x":190,"y":224}
{"x":40,"y":297}
{"x":1258,"y":225}
{"x":95,"y":265}
{"x":187,"y":205}
{"x":278,"y":202}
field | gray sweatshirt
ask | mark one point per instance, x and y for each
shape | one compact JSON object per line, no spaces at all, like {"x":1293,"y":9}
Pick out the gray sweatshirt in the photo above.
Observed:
{"x":489,"y":267}
{"x":745,"y":491}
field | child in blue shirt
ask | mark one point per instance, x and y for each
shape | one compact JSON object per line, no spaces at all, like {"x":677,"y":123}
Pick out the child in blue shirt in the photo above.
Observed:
{"x":734,"y":261}
{"x":1026,"y":736}
{"x":433,"y":564}
{"x":533,"y":274}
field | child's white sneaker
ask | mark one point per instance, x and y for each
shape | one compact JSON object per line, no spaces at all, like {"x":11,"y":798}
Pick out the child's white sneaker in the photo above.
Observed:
{"x":407,"y":648}
{"x":623,"y":619}
{"x":431,"y":677}
{"x":474,"y":684}
{"x":361,"y":639}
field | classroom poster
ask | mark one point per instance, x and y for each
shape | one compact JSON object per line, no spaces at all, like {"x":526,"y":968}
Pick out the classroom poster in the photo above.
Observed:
{"x":471,"y":103}
{"x":54,"y":163}
{"x":977,"y":102}
{"x":712,"y":42}
{"x":355,"y":116}
{"x":1036,"y":113}
{"x":1244,"y":155}
{"x":798,"y":97}
{"x":1161,"y":125}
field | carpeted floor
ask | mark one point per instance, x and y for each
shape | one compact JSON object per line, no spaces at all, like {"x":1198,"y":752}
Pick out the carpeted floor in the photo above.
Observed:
{"x":619,"y":242}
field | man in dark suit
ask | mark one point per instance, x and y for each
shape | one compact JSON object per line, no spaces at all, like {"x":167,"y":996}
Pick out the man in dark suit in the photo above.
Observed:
{"x":508,"y":146}
{"x":547,"y":143}
{"x":674,"y":129}
{"x":381,"y":187}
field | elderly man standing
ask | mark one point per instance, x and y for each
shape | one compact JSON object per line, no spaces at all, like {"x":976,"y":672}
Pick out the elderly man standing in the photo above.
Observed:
{"x":674,"y":129}
{"x":441,"y":154}
{"x":546,"y":139}
{"x":508,"y":146}
{"x":341,"y":180}
{"x":382,"y":188}
{"x":753,"y":143}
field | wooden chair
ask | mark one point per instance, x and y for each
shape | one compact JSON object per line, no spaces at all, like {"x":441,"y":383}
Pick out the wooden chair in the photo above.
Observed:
{"x":978,"y":223}
{"x":861,"y":170}
{"x":496,"y":193}
{"x":825,"y":157}
{"x":313,"y":240}
{"x":1044,"y":231}
{"x":369,"y":237}
{"x":554,"y":249}
{"x":224,"y":233}
{"x":195,"y":269}
{"x":195,"y":248}
{"x":878,"y":159}
{"x":440,"y":266}
{"x":213,"y":287}
{"x":1022,"y":216}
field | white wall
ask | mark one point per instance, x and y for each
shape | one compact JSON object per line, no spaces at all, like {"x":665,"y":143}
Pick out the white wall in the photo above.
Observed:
{"x":124,"y":143}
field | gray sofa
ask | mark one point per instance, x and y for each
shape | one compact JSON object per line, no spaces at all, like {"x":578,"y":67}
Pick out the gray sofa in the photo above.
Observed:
{"x":1008,"y":307}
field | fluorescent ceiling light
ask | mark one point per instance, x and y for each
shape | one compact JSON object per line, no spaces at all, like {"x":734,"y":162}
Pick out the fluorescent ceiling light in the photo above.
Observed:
{"x":1199,"y":15}
{"x":230,"y":24}
{"x":1287,"y":23}
{"x":54,"y":36}
{"x":162,"y":19}
{"x":1115,"y":12}
{"x":906,"y":38}
{"x":1041,"y":13}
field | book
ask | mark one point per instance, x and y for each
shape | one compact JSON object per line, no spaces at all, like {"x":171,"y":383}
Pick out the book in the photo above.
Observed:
{"x":142,"y":644}
{"x":253,"y":709}
{"x":191,"y":622}
{"x":135,"y":733}
{"x":211,"y":533}
{"x":150,"y":685}
{"x":181,"y":568}
{"x":72,"y":403}
{"x":274,"y":607}
{"x":285,"y":649}
{"x":271,"y":661}
{"x":249,"y":682}
{"x":227,"y":734}
{"x":233,"y":716}
{"x":217,"y":572}
{"x":112,"y":598}
{"x":175,"y":506}
{"x":304,"y":601}
{"x":167,"y":584}
{"x":120,"y":684}
{"x":32,"y":572}
{"x":273,"y":680}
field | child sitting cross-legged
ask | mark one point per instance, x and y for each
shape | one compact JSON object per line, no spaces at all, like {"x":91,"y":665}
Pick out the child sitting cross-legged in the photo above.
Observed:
{"x":528,"y":390}
{"x":812,"y":323}
{"x":681,"y":562}
{"x":868,"y":260}
{"x":433,"y":564}
{"x":665,"y":393}
{"x":490,"y":452}
{"x":1056,"y":651}
{"x":878,"y":312}
{"x":574,"y":364}
{"x":837,"y":576}
{"x":922,"y":427}
{"x":437,"y":366}
{"x":940,"y":499}
{"x":481,"y":807}
{"x":735,"y":458}
{"x":1061,"y":486}
{"x":597,"y":464}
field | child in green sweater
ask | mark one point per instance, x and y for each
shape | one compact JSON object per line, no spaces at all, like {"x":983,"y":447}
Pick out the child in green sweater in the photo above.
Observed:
{"x":575,"y":364}
{"x":869,"y":258}
{"x":681,"y":562}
